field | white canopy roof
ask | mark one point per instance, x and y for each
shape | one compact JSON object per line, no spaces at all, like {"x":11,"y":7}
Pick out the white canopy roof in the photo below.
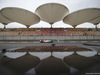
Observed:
{"x":96,"y":21}
{"x":81,"y":16}
{"x":52,"y":12}
{"x":4,"y":20}
{"x":20,"y":15}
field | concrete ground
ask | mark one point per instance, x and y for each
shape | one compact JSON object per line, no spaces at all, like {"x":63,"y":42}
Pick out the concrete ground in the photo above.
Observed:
{"x":10,"y":46}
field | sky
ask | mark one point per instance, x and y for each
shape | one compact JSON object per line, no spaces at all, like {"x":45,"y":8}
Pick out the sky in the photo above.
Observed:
{"x":32,"y":5}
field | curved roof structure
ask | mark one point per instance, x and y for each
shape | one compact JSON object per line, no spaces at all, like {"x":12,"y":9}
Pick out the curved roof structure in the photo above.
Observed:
{"x":20,"y":15}
{"x":4,"y":20}
{"x":81,"y":16}
{"x":96,"y":21}
{"x":52,"y":12}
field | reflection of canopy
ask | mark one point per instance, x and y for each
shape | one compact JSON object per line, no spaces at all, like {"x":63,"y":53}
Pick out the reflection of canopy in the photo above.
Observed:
{"x":52,"y":66}
{"x":52,"y":12}
{"x":79,"y":62}
{"x":96,"y":58}
{"x":3,"y":20}
{"x":81,"y":16}
{"x":20,"y":15}
{"x":6,"y":59}
{"x":23,"y":63}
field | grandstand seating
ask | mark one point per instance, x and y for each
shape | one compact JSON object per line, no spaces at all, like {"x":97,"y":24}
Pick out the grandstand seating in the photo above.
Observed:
{"x":9,"y":33}
{"x":44,"y":32}
{"x":48,"y":31}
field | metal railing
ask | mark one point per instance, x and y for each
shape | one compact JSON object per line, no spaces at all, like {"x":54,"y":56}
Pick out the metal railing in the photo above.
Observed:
{"x":49,"y":37}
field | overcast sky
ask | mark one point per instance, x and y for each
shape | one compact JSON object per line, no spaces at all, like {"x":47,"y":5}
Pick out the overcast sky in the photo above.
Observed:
{"x":31,"y":5}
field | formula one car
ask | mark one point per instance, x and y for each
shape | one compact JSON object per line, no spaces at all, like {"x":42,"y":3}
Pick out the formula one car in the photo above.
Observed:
{"x":46,"y":41}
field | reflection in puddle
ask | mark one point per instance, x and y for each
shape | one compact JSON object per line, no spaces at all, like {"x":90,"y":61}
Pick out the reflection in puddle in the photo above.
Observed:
{"x":48,"y":60}
{"x":14,"y":54}
{"x":79,"y":62}
{"x":52,"y":66}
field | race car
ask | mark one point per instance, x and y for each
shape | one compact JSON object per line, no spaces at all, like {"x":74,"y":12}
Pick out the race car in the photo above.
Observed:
{"x":46,"y":41}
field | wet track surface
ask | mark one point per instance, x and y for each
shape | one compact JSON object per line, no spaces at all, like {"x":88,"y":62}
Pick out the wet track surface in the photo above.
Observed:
{"x":45,"y":63}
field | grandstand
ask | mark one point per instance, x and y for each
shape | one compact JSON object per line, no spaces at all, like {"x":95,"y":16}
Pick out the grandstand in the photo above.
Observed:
{"x":56,"y":34}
